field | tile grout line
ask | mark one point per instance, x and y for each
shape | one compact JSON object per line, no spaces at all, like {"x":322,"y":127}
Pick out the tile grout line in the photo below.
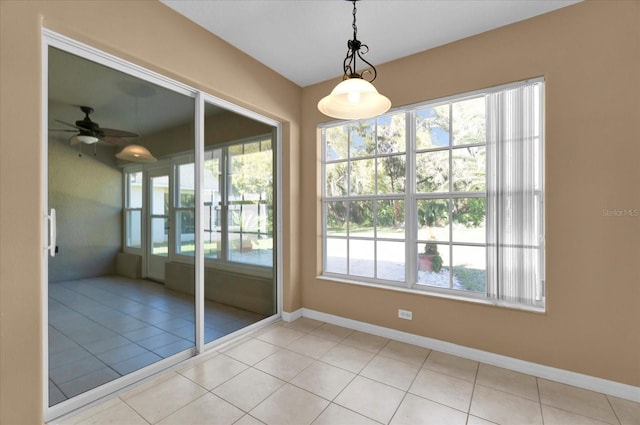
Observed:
{"x":406,"y":392}
{"x":355,"y":375}
{"x":132,"y":408}
{"x":540,"y":400}
{"x":473,"y":391}
{"x":613,"y":409}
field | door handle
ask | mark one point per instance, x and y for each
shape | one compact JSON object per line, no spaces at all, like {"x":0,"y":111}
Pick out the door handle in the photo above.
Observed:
{"x":52,"y":232}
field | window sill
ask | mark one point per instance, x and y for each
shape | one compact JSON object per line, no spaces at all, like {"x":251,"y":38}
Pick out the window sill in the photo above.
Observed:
{"x":436,"y":294}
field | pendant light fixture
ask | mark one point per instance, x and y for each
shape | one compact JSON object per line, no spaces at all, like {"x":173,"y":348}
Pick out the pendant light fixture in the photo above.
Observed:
{"x":133,"y":152}
{"x":136,"y":153}
{"x":355,"y":97}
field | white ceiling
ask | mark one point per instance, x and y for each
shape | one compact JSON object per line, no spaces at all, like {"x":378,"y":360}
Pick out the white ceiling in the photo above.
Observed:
{"x":306,"y":40}
{"x":303,"y":40}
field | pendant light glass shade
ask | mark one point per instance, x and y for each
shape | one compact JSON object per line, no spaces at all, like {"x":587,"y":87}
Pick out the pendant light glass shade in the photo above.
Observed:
{"x":136,"y":153}
{"x":354,"y":98}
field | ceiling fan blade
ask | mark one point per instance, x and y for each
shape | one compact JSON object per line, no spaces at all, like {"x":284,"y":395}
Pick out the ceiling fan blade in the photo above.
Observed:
{"x":111,"y":132}
{"x":70,"y":125}
{"x":63,"y":129}
{"x":115,"y":141}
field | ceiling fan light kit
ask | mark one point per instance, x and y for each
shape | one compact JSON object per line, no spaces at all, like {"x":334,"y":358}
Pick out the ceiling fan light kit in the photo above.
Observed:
{"x":355,"y":97}
{"x":90,"y":132}
{"x":83,"y":138}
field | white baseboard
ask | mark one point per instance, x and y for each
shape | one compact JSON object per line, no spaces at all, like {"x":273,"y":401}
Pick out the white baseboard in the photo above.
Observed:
{"x":294,"y":315}
{"x":617,"y":389}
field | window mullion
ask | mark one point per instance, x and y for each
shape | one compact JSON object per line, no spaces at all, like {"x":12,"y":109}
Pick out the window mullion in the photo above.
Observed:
{"x":374,"y":202}
{"x":224,"y":204}
{"x":411,"y":222}
{"x":450,"y":212}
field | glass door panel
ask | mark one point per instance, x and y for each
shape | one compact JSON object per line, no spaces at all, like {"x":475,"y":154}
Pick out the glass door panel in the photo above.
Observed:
{"x":120,"y":299}
{"x":239,"y":237}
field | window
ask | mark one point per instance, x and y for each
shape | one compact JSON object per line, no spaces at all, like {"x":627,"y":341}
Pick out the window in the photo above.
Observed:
{"x":212,"y":203}
{"x":238,"y":196}
{"x":133,"y":209}
{"x":443,"y":197}
{"x":184,"y":208}
{"x":238,"y":191}
{"x":250,"y":202}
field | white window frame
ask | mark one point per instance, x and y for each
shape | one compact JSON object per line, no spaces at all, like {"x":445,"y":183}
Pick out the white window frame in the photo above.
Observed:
{"x":411,"y":197}
{"x":174,"y":208}
{"x":127,"y":170}
{"x":222,"y":261}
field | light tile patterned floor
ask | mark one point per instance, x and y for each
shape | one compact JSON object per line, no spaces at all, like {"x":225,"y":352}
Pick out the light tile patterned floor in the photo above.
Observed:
{"x":103,"y":328}
{"x":309,"y":372}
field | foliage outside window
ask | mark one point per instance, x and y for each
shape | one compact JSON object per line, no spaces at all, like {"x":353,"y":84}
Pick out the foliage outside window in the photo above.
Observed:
{"x":238,"y":203}
{"x":250,"y":202}
{"x":418,"y":198}
{"x":237,"y":195}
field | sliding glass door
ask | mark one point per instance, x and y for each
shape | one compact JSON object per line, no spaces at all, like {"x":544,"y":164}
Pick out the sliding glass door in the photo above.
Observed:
{"x":238,"y":221}
{"x":162,"y":233}
{"x":118,"y":300}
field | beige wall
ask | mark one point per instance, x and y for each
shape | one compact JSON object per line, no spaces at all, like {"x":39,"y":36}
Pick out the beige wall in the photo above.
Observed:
{"x":220,"y":128}
{"x":589,"y":56}
{"x":146,"y":33}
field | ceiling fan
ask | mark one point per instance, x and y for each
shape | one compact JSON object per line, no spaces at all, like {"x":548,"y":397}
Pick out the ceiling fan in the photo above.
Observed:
{"x":89,"y":132}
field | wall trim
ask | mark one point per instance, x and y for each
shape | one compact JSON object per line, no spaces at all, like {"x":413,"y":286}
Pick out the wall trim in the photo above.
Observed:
{"x":613,"y":388}
{"x":294,"y":315}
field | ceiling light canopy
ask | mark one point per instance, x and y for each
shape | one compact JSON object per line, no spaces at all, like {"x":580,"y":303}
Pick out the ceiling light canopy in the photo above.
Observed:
{"x":355,"y":97}
{"x":136,"y":153}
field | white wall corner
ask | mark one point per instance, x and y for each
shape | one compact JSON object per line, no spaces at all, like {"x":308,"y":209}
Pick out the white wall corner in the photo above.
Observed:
{"x":613,"y":388}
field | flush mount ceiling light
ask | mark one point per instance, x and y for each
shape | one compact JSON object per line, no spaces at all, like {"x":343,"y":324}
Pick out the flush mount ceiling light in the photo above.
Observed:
{"x":355,"y":97}
{"x":136,"y":153}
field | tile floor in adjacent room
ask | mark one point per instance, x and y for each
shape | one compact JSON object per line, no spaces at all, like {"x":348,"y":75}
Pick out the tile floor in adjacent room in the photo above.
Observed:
{"x":105,"y":327}
{"x":309,"y":372}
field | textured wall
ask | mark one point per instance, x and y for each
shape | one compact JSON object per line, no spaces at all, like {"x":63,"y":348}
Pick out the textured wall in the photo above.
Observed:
{"x":87,"y":195}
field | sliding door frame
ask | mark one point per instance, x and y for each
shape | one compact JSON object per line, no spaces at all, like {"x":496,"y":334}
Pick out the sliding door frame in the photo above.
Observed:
{"x":52,"y":39}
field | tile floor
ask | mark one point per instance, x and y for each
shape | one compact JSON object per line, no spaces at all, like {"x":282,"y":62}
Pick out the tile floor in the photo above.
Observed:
{"x":103,"y":328}
{"x":309,"y":372}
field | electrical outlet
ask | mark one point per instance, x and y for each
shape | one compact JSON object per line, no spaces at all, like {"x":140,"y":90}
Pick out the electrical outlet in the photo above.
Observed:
{"x":405,"y":314}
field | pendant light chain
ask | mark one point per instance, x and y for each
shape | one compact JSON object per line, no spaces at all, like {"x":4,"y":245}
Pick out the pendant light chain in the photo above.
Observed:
{"x":356,"y":50}
{"x":354,"y":26}
{"x":354,"y":45}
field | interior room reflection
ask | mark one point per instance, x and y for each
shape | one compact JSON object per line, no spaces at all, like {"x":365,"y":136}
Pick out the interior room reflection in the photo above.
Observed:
{"x":122,"y":279}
